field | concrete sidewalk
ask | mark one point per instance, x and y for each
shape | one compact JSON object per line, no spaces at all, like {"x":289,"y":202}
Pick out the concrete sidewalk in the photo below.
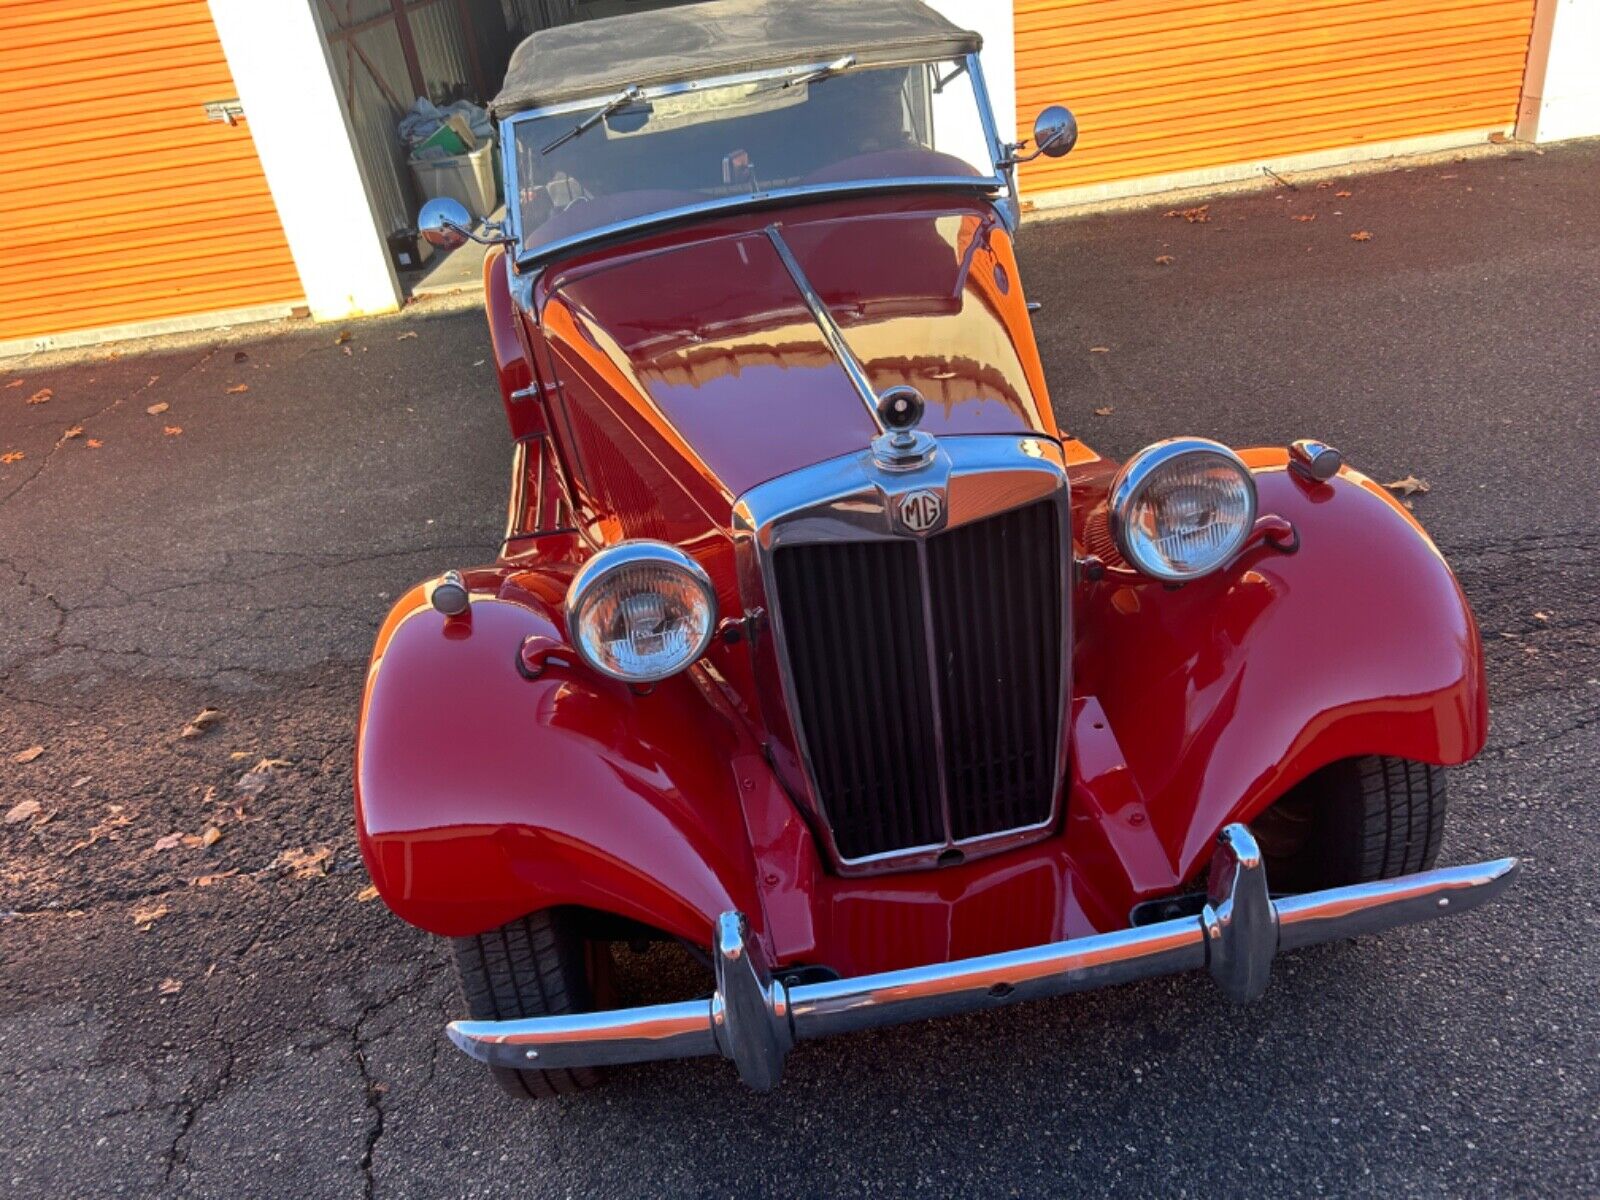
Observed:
{"x":232,"y":1018}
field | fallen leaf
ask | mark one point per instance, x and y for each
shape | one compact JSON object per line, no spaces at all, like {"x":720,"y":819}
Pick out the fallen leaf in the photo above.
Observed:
{"x":1198,"y":215}
{"x":1164,"y":260}
{"x":254,"y":781}
{"x":238,"y":389}
{"x":22,"y":757}
{"x":1344,"y":195}
{"x":1106,"y":411}
{"x":200,"y":722}
{"x":171,"y":842}
{"x":211,"y":836}
{"x":1409,"y":486}
{"x":211,"y":794}
{"x":1324,"y":184}
{"x":208,"y":880}
{"x":239,"y":755}
{"x":81,"y":780}
{"x":11,"y":456}
{"x":15,"y":383}
{"x":1498,"y":138}
{"x":407,"y":335}
{"x":1361,"y":235}
{"x":1530,"y":651}
{"x":370,"y":892}
{"x":42,"y":396}
{"x":156,"y":409}
{"x":170,"y":987}
{"x":145,"y":916}
{"x":1542,"y":617}
{"x":22,"y":811}
{"x":94,"y":443}
{"x":75,"y":431}
{"x":240,"y":356}
{"x":172,"y":430}
{"x":1304,"y":217}
{"x":306,"y":864}
{"x":341,"y":337}
{"x":1099,"y":349}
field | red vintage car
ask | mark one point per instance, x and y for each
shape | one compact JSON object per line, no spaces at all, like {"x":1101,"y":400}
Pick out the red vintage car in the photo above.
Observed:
{"x":814,"y":645}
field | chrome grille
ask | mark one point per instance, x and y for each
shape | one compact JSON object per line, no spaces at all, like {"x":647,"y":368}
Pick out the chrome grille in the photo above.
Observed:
{"x":927,"y":679}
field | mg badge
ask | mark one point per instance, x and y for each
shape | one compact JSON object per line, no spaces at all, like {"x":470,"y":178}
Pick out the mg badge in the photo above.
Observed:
{"x":921,"y":510}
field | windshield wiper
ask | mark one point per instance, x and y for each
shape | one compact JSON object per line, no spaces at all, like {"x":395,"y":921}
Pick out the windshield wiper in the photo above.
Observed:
{"x":823,"y":72}
{"x":600,"y":114}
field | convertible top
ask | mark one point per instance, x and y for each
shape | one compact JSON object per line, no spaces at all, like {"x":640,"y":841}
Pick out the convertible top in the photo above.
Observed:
{"x":719,"y":37}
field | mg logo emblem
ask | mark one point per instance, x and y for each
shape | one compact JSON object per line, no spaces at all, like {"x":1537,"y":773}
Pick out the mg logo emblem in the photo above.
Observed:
{"x":921,"y":510}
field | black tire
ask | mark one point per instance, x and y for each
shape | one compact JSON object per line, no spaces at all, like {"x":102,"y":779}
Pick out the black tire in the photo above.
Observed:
{"x":535,"y":966}
{"x":1354,"y":821}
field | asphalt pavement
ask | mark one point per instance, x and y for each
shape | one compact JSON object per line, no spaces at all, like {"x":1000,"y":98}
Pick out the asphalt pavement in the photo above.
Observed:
{"x":223,"y":1014}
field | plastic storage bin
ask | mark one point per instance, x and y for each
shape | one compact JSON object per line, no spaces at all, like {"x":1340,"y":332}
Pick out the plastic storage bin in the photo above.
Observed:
{"x":467,"y":177}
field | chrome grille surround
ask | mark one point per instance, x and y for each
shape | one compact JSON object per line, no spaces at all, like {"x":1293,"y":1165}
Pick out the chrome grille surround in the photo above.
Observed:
{"x":854,"y":499}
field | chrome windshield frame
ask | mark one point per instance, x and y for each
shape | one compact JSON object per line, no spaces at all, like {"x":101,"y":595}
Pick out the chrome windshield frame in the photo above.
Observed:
{"x":995,"y":183}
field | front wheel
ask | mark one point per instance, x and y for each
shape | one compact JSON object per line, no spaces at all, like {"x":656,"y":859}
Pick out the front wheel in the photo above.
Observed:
{"x":535,"y":966}
{"x":1354,"y":821}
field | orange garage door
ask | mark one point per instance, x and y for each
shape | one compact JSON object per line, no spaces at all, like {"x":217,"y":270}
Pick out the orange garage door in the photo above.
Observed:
{"x":1164,"y":86}
{"x":120,"y":201}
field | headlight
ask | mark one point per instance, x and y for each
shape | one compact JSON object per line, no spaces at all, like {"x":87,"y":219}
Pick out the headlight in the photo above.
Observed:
{"x":1182,"y":508}
{"x":641,"y":611}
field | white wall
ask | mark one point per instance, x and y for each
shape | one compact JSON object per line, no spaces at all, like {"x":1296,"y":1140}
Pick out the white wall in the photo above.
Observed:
{"x":995,"y":20}
{"x":1561,"y":94}
{"x":286,"y":83}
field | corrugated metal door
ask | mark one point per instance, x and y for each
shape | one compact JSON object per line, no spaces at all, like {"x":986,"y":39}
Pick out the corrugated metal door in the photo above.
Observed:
{"x":1164,"y":86}
{"x":120,"y":201}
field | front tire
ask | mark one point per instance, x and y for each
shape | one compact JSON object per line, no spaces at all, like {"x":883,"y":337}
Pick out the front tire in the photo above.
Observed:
{"x":1354,"y":821}
{"x":535,"y":966}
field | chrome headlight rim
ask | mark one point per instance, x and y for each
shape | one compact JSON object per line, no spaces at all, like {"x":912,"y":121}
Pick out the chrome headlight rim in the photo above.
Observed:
{"x":606,"y":563}
{"x":1143,"y":469}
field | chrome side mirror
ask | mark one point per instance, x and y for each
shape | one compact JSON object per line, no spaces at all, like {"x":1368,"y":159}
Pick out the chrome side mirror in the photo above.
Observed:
{"x":1055,"y":132}
{"x":445,"y":223}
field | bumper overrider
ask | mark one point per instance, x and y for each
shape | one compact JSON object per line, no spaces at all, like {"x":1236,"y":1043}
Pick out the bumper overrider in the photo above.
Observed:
{"x":754,"y":1020}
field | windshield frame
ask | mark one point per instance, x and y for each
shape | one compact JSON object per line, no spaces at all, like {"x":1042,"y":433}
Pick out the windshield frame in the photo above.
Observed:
{"x":997,"y":182}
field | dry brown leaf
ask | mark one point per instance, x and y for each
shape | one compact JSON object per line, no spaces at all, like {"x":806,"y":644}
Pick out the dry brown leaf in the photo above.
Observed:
{"x":1324,"y":184}
{"x":370,"y":892}
{"x":23,"y":757}
{"x":215,"y":876}
{"x":81,"y":780}
{"x":407,"y":335}
{"x":306,"y":864}
{"x":42,"y":396}
{"x":170,"y":987}
{"x":172,"y":430}
{"x":201,"y":721}
{"x":341,"y":337}
{"x":1106,"y":411}
{"x":1099,"y":349}
{"x":171,"y":842}
{"x":1344,"y":195}
{"x":1361,"y":235}
{"x":1542,"y":617}
{"x":12,"y":456}
{"x":1304,"y":217}
{"x":75,"y":431}
{"x":1409,"y":486}
{"x":156,"y":409}
{"x":238,"y":389}
{"x":1497,"y":138}
{"x":211,"y":836}
{"x":22,"y":811}
{"x":1164,"y":260}
{"x":210,"y":795}
{"x":15,"y":383}
{"x":94,"y":443}
{"x":239,"y":755}
{"x":1198,"y":215}
{"x":254,"y":781}
{"x":146,"y":915}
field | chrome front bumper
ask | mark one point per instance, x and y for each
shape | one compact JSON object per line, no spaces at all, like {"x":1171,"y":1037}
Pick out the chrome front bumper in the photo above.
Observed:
{"x":754,"y":1020}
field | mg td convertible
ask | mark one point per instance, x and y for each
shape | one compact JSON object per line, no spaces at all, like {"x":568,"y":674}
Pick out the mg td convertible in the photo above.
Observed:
{"x":815,"y":646}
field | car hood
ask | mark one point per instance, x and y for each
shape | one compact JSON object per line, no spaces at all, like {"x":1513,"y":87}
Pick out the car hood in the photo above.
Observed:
{"x":707,"y":336}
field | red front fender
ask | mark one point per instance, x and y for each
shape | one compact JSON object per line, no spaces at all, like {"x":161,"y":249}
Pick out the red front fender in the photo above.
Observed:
{"x":1204,"y":704}
{"x":482,"y":795}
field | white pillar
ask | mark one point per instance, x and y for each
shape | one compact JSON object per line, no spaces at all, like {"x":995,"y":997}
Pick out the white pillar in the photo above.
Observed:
{"x":1561,"y":90}
{"x":291,"y":104}
{"x":995,"y":20}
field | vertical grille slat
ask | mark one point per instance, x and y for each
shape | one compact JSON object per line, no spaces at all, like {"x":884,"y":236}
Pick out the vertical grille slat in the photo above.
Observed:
{"x":857,"y":634}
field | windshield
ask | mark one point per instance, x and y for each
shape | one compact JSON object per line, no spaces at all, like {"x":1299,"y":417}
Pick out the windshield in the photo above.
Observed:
{"x":629,"y":157}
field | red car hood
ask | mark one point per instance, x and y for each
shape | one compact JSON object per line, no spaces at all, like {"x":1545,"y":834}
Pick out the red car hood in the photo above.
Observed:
{"x":707,"y":336}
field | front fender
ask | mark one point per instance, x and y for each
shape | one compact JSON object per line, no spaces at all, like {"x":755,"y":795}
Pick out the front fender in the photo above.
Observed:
{"x":482,"y":795}
{"x":1217,"y":697}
